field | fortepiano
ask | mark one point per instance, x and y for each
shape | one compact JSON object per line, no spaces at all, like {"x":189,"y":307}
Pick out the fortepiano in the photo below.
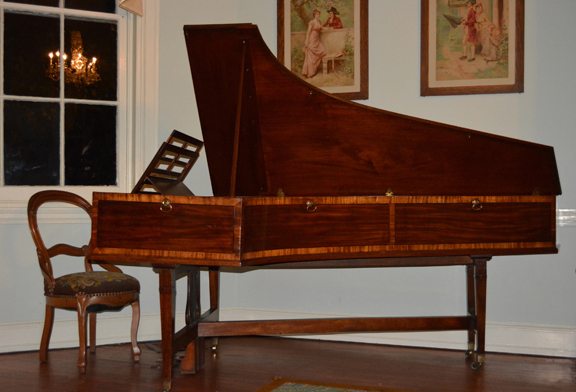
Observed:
{"x":304,"y":179}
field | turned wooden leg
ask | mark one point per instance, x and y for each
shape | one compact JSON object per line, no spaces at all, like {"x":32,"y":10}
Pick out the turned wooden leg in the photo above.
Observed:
{"x":194,"y":358}
{"x":480,"y":276}
{"x":92,"y":332}
{"x":471,"y":304}
{"x":214,"y":276}
{"x":46,"y":333}
{"x":134,"y":329}
{"x":81,"y":306}
{"x":167,"y":311}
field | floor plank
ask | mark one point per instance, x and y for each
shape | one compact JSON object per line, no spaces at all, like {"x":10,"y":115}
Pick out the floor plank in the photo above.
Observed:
{"x":247,"y":363}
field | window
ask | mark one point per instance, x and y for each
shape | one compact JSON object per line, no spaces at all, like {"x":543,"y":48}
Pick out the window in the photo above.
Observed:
{"x":63,"y":97}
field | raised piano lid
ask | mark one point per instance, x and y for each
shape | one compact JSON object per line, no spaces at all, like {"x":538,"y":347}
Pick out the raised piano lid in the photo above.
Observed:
{"x":266,"y":129}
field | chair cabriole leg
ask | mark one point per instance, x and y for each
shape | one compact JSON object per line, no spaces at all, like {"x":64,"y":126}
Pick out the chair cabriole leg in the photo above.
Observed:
{"x":92,"y":333}
{"x":82,"y":307}
{"x":46,"y":333}
{"x":134,"y":331}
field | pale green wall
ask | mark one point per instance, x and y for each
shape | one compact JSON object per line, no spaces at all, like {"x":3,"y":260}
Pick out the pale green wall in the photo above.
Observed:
{"x":525,"y":290}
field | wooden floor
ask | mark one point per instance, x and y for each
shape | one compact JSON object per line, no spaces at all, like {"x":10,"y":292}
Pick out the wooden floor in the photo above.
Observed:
{"x":248,"y":363}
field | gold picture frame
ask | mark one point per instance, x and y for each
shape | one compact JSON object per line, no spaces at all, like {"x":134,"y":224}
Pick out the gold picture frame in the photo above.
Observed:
{"x":493,"y":38}
{"x":343,"y":63}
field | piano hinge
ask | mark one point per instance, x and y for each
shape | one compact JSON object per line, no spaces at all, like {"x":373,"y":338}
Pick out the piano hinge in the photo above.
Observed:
{"x":389,"y":192}
{"x":280,"y":193}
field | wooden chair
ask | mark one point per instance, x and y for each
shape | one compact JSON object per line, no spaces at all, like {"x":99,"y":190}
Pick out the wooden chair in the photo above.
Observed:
{"x":87,"y":292}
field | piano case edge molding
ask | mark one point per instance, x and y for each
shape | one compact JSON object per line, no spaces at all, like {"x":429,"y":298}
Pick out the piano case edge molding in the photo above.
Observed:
{"x":14,"y":213}
{"x":250,"y":231}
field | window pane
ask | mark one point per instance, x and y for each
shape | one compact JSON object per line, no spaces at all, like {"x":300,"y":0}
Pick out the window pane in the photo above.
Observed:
{"x":28,"y":39}
{"x":84,"y":42}
{"x":90,"y":145}
{"x":108,"y":6}
{"x":46,"y":3}
{"x":31,"y":143}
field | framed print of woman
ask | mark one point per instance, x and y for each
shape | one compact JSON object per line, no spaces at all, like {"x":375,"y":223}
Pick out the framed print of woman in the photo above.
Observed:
{"x":325,"y":42}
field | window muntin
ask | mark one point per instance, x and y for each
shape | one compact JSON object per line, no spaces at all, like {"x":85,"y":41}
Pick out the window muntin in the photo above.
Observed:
{"x":108,"y":6}
{"x":46,"y":3}
{"x":91,"y":119}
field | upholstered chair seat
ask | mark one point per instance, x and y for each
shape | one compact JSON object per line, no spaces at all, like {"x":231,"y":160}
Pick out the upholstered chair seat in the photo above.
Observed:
{"x":93,"y":283}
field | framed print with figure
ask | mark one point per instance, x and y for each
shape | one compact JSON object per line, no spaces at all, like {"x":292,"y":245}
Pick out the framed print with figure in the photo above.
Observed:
{"x":325,"y":42}
{"x":472,"y":47}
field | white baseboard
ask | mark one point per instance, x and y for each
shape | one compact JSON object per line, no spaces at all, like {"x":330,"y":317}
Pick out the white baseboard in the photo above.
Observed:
{"x":16,"y":337}
{"x":540,"y":340}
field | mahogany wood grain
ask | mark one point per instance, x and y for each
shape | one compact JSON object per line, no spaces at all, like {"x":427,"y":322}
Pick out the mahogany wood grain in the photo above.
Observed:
{"x":459,"y":223}
{"x":308,"y":326}
{"x":194,"y":358}
{"x":356,"y":185}
{"x":167,"y":288}
{"x":146,"y":226}
{"x":312,"y":143}
{"x":480,"y":275}
{"x":471,"y":306}
{"x":249,"y":231}
{"x":214,"y":277}
{"x":286,"y":229}
{"x":207,"y":325}
{"x":333,"y":225}
{"x":372,"y":263}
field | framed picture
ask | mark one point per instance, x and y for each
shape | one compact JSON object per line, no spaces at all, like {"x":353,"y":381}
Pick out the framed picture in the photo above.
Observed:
{"x":472,"y":47}
{"x":325,"y":42}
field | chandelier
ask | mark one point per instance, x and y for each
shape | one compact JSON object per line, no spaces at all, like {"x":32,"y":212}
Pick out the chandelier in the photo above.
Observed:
{"x":78,"y":70}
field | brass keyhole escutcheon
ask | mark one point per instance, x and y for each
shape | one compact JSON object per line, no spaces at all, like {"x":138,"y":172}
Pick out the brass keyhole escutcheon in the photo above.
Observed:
{"x":165,"y":206}
{"x":310,"y":206}
{"x":476,"y":205}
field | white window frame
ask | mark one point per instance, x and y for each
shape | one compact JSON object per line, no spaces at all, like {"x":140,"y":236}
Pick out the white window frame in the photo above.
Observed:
{"x":137,"y":116}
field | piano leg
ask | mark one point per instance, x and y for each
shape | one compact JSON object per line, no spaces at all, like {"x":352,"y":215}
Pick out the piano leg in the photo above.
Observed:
{"x":480,"y":285}
{"x":194,"y":358}
{"x":167,"y":311}
{"x":214,"y":276}
{"x":471,"y":304}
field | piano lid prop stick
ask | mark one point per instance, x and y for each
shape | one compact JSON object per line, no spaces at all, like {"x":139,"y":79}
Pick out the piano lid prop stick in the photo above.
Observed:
{"x":237,"y":125}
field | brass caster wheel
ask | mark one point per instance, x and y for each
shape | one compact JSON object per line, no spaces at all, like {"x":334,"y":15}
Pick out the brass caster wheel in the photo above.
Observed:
{"x":477,"y":365}
{"x":214,"y":345}
{"x":469,"y":353}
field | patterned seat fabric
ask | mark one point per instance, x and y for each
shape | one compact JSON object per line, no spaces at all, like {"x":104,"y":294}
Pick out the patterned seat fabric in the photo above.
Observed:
{"x":93,"y":283}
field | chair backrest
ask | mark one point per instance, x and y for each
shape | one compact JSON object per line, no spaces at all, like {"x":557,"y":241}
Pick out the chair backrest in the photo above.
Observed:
{"x":45,"y":254}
